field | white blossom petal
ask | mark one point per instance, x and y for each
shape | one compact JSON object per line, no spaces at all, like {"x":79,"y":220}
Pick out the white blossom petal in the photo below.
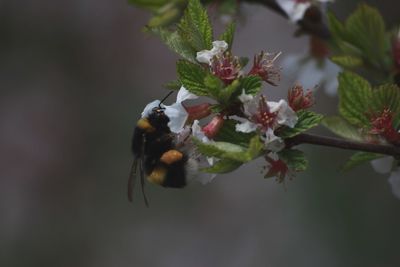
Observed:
{"x":219,"y":47}
{"x":286,"y":115}
{"x":205,"y":56}
{"x":294,"y":9}
{"x":272,"y":142}
{"x":198,"y":132}
{"x":184,"y":94}
{"x":149,"y":108}
{"x":394,"y":181}
{"x":177,"y":115}
{"x":245,"y":98}
{"x":382,"y":165}
{"x":246,"y":127}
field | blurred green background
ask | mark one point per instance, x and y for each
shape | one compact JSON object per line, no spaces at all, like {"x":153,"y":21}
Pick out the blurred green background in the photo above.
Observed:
{"x":74,"y":77}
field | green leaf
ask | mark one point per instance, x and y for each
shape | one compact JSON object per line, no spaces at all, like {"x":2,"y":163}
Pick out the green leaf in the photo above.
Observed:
{"x":336,"y":27}
{"x":225,"y":150}
{"x":306,"y":120}
{"x":228,"y":133}
{"x":354,"y":98}
{"x":228,"y":35}
{"x":294,"y":159}
{"x":251,"y":84}
{"x":195,"y":26}
{"x":175,"y":42}
{"x":214,"y":85}
{"x":192,"y":77}
{"x":342,"y":128}
{"x":386,"y":96}
{"x":223,"y":166}
{"x":228,"y":92}
{"x":367,"y":31}
{"x":359,"y":158}
{"x":347,"y":61}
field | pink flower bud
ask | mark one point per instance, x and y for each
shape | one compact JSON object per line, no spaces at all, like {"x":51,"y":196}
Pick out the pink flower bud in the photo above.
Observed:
{"x":382,"y":124}
{"x":198,"y":112}
{"x":226,"y":67}
{"x":276,"y":168}
{"x":213,"y":127}
{"x":298,"y":100}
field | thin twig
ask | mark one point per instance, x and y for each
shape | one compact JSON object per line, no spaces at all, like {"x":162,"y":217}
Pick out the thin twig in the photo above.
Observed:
{"x":342,"y":143}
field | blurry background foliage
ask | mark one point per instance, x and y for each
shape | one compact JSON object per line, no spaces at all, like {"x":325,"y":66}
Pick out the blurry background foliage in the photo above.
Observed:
{"x":74,"y":78}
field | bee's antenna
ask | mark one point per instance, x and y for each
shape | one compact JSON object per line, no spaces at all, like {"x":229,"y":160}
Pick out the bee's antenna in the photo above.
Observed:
{"x":165,"y":98}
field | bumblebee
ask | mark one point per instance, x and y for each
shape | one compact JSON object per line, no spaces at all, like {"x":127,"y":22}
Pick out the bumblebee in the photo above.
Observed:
{"x":156,"y":153}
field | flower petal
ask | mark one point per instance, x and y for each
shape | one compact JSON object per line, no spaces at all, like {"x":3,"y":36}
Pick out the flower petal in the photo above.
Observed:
{"x":149,"y":108}
{"x":394,"y":181}
{"x":244,"y":98}
{"x":177,"y":117}
{"x":246,"y":127}
{"x":184,"y":94}
{"x":204,"y":56}
{"x":272,"y":142}
{"x":219,"y":47}
{"x":198,"y":132}
{"x":286,"y":115}
{"x":382,"y":165}
{"x":294,"y":9}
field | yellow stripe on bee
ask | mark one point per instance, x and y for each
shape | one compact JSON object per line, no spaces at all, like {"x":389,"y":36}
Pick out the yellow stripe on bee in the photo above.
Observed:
{"x":171,"y":156}
{"x":157,"y":176}
{"x":144,"y":124}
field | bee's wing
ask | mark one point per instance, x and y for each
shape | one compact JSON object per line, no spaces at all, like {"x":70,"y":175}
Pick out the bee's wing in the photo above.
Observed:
{"x":141,"y":167}
{"x":132,"y":179}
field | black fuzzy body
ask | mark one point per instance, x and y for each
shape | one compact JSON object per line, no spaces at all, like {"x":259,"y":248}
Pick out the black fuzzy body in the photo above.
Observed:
{"x":149,"y":146}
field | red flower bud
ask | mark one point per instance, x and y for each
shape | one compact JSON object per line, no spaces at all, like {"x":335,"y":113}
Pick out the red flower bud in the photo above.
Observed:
{"x":213,"y":127}
{"x":198,"y":112}
{"x":298,"y":100}
{"x":277,"y":168}
{"x":226,"y":67}
{"x":382,"y":124}
{"x":263,"y":66}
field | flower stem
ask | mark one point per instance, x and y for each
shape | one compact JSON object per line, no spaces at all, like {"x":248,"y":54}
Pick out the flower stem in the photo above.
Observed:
{"x":342,"y":143}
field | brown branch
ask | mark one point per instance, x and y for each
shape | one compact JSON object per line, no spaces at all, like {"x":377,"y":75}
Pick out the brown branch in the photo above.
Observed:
{"x":342,"y":143}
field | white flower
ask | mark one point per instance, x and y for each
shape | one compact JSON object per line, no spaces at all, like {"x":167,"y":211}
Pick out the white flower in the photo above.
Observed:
{"x":394,"y":181}
{"x":266,"y":116}
{"x":296,"y":9}
{"x":205,"y":56}
{"x":382,"y":165}
{"x":285,"y":114}
{"x":310,"y":71}
{"x":176,"y":112}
